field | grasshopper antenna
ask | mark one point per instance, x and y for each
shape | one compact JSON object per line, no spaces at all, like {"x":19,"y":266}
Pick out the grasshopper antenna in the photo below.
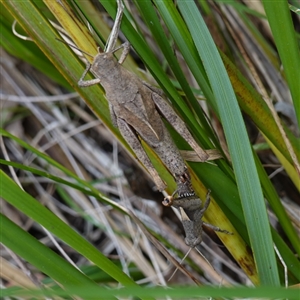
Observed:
{"x":205,"y":258}
{"x":22,"y":37}
{"x":209,"y":263}
{"x":186,"y":255}
{"x":62,"y":41}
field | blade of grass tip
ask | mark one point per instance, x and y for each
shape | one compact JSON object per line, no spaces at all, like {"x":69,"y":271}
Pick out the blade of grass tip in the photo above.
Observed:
{"x":239,"y":146}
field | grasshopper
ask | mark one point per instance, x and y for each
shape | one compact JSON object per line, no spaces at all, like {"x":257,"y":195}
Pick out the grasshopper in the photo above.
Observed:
{"x":136,"y":109}
{"x":191,"y":212}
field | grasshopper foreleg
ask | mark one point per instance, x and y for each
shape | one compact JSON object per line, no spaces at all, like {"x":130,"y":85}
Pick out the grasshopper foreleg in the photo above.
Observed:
{"x":86,"y":83}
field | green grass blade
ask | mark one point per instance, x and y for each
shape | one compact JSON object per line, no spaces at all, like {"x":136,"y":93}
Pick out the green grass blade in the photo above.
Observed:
{"x":185,"y":43}
{"x":277,"y":207}
{"x":239,"y":146}
{"x":40,"y":256}
{"x":253,"y":105}
{"x":281,"y":24}
{"x":182,"y":292}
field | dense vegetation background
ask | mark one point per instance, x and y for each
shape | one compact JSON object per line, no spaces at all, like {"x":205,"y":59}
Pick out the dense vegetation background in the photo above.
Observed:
{"x":78,"y":209}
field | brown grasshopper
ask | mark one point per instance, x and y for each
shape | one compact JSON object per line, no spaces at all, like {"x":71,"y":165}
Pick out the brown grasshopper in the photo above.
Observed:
{"x":191,"y":212}
{"x":136,"y":109}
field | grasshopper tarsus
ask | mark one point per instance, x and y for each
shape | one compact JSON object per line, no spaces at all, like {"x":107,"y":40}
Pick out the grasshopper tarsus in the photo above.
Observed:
{"x":207,"y":202}
{"x":126,"y":46}
{"x":215,"y":228}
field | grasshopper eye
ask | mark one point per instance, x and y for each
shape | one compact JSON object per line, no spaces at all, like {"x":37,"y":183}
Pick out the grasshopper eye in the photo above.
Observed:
{"x":168,"y":201}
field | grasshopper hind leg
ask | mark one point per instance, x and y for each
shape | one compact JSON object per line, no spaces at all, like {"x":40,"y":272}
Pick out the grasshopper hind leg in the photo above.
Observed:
{"x":116,"y":28}
{"x":133,"y":141}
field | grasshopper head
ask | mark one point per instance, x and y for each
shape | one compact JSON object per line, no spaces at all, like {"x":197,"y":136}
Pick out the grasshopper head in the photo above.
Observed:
{"x":193,"y":242}
{"x":104,"y":63}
